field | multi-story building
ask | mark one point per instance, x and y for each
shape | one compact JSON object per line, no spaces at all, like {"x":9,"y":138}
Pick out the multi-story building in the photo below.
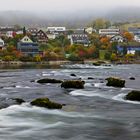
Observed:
{"x":109,"y":32}
{"x":56,"y":30}
{"x":134,"y":30}
{"x":79,"y":39}
{"x":27,"y":47}
{"x":41,"y":37}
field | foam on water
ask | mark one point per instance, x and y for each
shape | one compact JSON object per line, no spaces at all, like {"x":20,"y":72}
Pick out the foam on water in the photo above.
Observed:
{"x":26,"y":107}
{"x":19,"y":86}
{"x":94,"y":93}
{"x":121,"y":97}
{"x":88,"y":85}
{"x":86,"y":66}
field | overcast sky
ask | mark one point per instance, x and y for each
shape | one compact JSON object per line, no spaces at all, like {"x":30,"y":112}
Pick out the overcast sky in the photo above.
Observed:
{"x":64,"y":5}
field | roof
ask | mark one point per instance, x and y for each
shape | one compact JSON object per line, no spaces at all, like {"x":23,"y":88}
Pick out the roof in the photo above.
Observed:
{"x":80,"y":38}
{"x":42,"y":32}
{"x":26,"y":39}
{"x":1,"y":40}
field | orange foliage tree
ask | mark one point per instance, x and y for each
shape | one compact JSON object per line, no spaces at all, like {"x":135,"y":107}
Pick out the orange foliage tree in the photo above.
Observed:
{"x":128,"y":36}
{"x":104,"y":40}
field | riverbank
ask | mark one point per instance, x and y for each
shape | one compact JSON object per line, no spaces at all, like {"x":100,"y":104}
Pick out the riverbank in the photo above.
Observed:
{"x":56,"y":64}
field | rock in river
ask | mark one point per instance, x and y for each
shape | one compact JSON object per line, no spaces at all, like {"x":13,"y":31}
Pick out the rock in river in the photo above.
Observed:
{"x":47,"y":80}
{"x":134,"y":95}
{"x":45,"y":102}
{"x":132,"y":78}
{"x":78,"y":84}
{"x":115,"y":82}
{"x":74,"y":75}
{"x":18,"y":100}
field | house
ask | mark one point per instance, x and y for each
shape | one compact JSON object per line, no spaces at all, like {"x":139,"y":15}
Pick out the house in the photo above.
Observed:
{"x":41,"y":37}
{"x":109,"y":32}
{"x":51,"y":36}
{"x":134,"y":30}
{"x":1,"y":44}
{"x":128,"y":49}
{"x":32,"y":31}
{"x":56,"y":29}
{"x":79,"y":31}
{"x":10,"y":31}
{"x":90,"y":30}
{"x":117,"y":38}
{"x":79,"y":39}
{"x":4,"y":30}
{"x":75,"y":32}
{"x":27,"y":47}
{"x":137,"y":38}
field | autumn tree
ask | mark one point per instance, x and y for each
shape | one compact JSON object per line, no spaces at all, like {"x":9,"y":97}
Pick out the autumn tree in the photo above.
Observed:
{"x":128,"y":36}
{"x":104,"y":40}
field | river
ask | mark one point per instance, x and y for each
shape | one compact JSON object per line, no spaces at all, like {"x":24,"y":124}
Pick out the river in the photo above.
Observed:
{"x":97,"y":112}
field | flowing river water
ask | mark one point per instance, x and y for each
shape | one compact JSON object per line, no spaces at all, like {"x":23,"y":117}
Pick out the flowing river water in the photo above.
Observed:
{"x":97,"y":112}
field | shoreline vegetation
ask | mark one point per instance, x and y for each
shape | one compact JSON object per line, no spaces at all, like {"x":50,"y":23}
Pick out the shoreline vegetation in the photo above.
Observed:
{"x":43,"y":64}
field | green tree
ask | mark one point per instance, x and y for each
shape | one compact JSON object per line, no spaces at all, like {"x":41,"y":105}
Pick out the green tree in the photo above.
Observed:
{"x":24,"y":31}
{"x":37,"y":58}
{"x":101,"y":23}
{"x":113,"y":57}
{"x":8,"y":58}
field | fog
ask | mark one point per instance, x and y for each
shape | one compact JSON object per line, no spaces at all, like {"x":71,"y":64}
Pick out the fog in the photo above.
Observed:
{"x":66,"y":12}
{"x":64,"y":5}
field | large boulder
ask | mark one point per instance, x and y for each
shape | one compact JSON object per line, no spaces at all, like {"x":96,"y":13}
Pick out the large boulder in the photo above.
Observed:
{"x":78,"y":84}
{"x":47,"y":80}
{"x":45,"y":102}
{"x":134,"y":95}
{"x":115,"y":82}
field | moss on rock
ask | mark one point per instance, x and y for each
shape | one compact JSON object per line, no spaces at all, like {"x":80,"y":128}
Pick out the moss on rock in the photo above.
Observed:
{"x":45,"y":102}
{"x":134,"y":95}
{"x":78,"y":84}
{"x":115,"y":82}
{"x":47,"y":80}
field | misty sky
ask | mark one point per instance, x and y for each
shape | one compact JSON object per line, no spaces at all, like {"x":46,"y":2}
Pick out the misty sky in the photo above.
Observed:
{"x":64,"y":5}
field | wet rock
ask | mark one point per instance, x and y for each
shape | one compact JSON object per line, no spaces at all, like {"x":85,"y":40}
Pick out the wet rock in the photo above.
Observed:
{"x":101,"y":79}
{"x":45,"y":102}
{"x":47,"y":80}
{"x":78,"y":84}
{"x":18,"y":100}
{"x":6,"y":102}
{"x":115,"y":82}
{"x":134,"y":95}
{"x":74,"y":75}
{"x":96,"y":64}
{"x":132,"y":78}
{"x":90,"y":78}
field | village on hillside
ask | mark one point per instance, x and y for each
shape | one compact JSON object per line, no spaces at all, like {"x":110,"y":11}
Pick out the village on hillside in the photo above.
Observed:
{"x":60,"y":43}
